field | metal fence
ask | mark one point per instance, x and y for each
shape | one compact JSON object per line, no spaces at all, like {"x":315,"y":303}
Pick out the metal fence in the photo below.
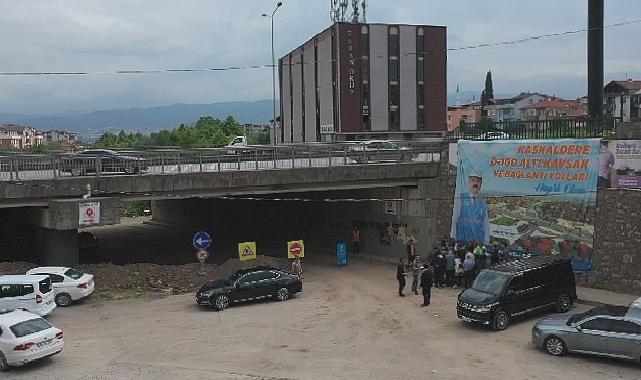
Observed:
{"x":544,"y":129}
{"x":96,"y":163}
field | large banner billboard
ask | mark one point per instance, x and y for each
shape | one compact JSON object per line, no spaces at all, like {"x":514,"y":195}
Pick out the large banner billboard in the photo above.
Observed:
{"x":620,"y":164}
{"x":535,"y":197}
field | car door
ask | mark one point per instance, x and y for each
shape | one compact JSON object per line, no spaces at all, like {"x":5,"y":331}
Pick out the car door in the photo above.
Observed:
{"x":245,"y":288}
{"x":625,"y":339}
{"x":593,"y":336}
{"x":512,"y":300}
{"x":268,"y":284}
{"x":534,"y":295}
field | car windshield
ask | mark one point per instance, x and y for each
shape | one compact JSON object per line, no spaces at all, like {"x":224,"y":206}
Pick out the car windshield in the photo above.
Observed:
{"x":490,"y":282}
{"x":29,"y":327}
{"x":73,"y":274}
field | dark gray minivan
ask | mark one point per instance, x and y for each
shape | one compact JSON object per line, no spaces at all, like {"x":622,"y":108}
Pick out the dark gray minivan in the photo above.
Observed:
{"x":516,"y":288}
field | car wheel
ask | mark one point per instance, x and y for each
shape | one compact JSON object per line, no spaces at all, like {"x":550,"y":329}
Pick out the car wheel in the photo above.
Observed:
{"x":221,"y":302}
{"x":500,"y":321}
{"x":129,"y":170}
{"x":3,"y":362}
{"x":282,"y":294}
{"x":63,"y":300}
{"x":554,"y":346}
{"x":76,"y":172}
{"x":563,"y":303}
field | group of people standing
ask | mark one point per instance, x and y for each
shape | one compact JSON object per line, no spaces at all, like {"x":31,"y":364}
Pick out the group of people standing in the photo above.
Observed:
{"x":453,"y":264}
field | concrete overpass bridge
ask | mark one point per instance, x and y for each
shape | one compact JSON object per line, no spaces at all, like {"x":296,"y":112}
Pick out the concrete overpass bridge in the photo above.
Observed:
{"x":38,"y":190}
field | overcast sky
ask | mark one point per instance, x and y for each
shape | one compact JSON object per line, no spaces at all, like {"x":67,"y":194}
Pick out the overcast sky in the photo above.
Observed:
{"x":109,"y":35}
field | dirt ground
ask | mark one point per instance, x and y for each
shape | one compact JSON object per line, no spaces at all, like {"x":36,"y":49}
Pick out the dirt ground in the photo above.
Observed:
{"x":347,"y":324}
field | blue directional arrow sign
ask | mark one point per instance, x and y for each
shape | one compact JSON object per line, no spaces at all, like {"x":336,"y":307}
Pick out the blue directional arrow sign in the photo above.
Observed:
{"x":202,"y":240}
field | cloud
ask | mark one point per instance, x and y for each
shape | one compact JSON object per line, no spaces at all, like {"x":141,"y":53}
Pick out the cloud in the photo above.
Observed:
{"x":108,"y":35}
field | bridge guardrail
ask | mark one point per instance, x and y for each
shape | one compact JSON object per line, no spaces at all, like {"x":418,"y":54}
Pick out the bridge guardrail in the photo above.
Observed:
{"x":535,"y":129}
{"x":170,"y":161}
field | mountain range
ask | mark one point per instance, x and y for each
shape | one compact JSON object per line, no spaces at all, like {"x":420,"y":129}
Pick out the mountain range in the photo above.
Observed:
{"x":146,"y":120}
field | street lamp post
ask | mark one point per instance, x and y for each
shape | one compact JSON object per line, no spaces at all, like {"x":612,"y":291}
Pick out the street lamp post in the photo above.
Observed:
{"x":273,"y":71}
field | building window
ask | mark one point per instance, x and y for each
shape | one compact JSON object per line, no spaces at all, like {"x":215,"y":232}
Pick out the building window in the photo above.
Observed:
{"x":394,"y":120}
{"x":393,"y":42}
{"x":365,"y":69}
{"x":420,"y":71}
{"x":393,"y":70}
{"x":364,"y":41}
{"x":420,"y":43}
{"x":365,"y":74}
{"x":420,"y":95}
{"x":393,"y":96}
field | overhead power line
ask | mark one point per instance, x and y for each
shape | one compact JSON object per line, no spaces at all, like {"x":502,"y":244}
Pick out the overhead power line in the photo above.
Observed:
{"x":252,"y":67}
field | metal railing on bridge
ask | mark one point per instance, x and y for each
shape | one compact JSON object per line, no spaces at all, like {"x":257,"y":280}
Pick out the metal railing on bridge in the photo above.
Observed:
{"x":538,"y":129}
{"x":99,"y":162}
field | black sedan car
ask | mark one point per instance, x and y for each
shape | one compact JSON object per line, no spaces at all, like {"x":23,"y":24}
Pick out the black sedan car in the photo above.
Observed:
{"x":249,"y":284}
{"x":103,"y":161}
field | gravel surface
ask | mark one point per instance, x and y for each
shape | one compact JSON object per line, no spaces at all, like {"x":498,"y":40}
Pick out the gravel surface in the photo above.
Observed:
{"x":348,"y":323}
{"x":175,"y":279}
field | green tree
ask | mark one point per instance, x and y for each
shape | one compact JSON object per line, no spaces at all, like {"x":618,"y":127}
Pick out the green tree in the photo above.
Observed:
{"x":258,"y":138}
{"x":488,"y":92}
{"x":207,"y":132}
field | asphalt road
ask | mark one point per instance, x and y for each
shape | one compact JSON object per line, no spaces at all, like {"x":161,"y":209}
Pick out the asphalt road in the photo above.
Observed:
{"x":347,"y":324}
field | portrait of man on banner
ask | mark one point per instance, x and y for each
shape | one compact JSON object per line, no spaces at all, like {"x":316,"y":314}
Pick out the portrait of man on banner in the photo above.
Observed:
{"x":470,"y":213}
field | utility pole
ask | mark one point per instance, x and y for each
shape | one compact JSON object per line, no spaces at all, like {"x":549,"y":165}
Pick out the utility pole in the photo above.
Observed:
{"x":273,"y":72}
{"x":595,"y":58}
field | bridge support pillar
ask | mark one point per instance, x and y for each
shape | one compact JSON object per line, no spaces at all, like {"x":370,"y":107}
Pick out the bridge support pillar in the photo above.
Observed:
{"x":57,"y":227}
{"x":58,"y":247}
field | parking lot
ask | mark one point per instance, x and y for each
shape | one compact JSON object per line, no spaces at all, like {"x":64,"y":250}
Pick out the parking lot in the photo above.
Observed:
{"x":347,"y":324}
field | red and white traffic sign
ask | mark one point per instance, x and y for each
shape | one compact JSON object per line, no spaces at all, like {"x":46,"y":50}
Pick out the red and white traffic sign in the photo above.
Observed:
{"x":202,"y":255}
{"x":89,"y":213}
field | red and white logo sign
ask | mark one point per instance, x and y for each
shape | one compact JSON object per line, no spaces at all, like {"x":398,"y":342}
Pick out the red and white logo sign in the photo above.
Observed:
{"x":89,"y":213}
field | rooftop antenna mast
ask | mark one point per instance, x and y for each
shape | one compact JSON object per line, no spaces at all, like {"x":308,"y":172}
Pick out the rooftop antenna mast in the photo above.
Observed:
{"x":355,"y":11}
{"x":364,"y":5}
{"x":339,"y":11}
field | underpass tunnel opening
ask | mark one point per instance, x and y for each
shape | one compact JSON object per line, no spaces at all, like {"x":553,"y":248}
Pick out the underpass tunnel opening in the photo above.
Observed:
{"x":321,"y":219}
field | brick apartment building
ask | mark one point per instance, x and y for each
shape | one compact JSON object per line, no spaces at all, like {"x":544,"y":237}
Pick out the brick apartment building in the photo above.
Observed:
{"x":360,"y":81}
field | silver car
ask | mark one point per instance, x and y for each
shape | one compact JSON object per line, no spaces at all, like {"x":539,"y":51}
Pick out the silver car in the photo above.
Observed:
{"x":608,"y":331}
{"x":380,"y":151}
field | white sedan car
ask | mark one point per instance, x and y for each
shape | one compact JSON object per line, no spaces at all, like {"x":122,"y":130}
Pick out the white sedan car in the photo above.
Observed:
{"x":25,"y":337}
{"x":69,"y":284}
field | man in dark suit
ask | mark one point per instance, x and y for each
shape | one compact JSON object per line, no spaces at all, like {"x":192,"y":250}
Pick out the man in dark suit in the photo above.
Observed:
{"x":426,"y":284}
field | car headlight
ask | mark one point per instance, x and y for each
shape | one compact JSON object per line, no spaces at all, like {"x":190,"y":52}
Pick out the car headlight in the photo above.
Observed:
{"x":536,"y":332}
{"x":207,"y":293}
{"x":483,"y":309}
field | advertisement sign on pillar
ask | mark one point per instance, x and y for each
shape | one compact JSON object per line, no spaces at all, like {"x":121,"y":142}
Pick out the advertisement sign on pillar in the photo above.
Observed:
{"x":89,"y":213}
{"x":295,"y":249}
{"x":247,"y":250}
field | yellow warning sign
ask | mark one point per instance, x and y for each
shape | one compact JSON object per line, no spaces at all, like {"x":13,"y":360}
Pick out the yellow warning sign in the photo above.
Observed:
{"x":295,"y":249}
{"x":247,"y":250}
